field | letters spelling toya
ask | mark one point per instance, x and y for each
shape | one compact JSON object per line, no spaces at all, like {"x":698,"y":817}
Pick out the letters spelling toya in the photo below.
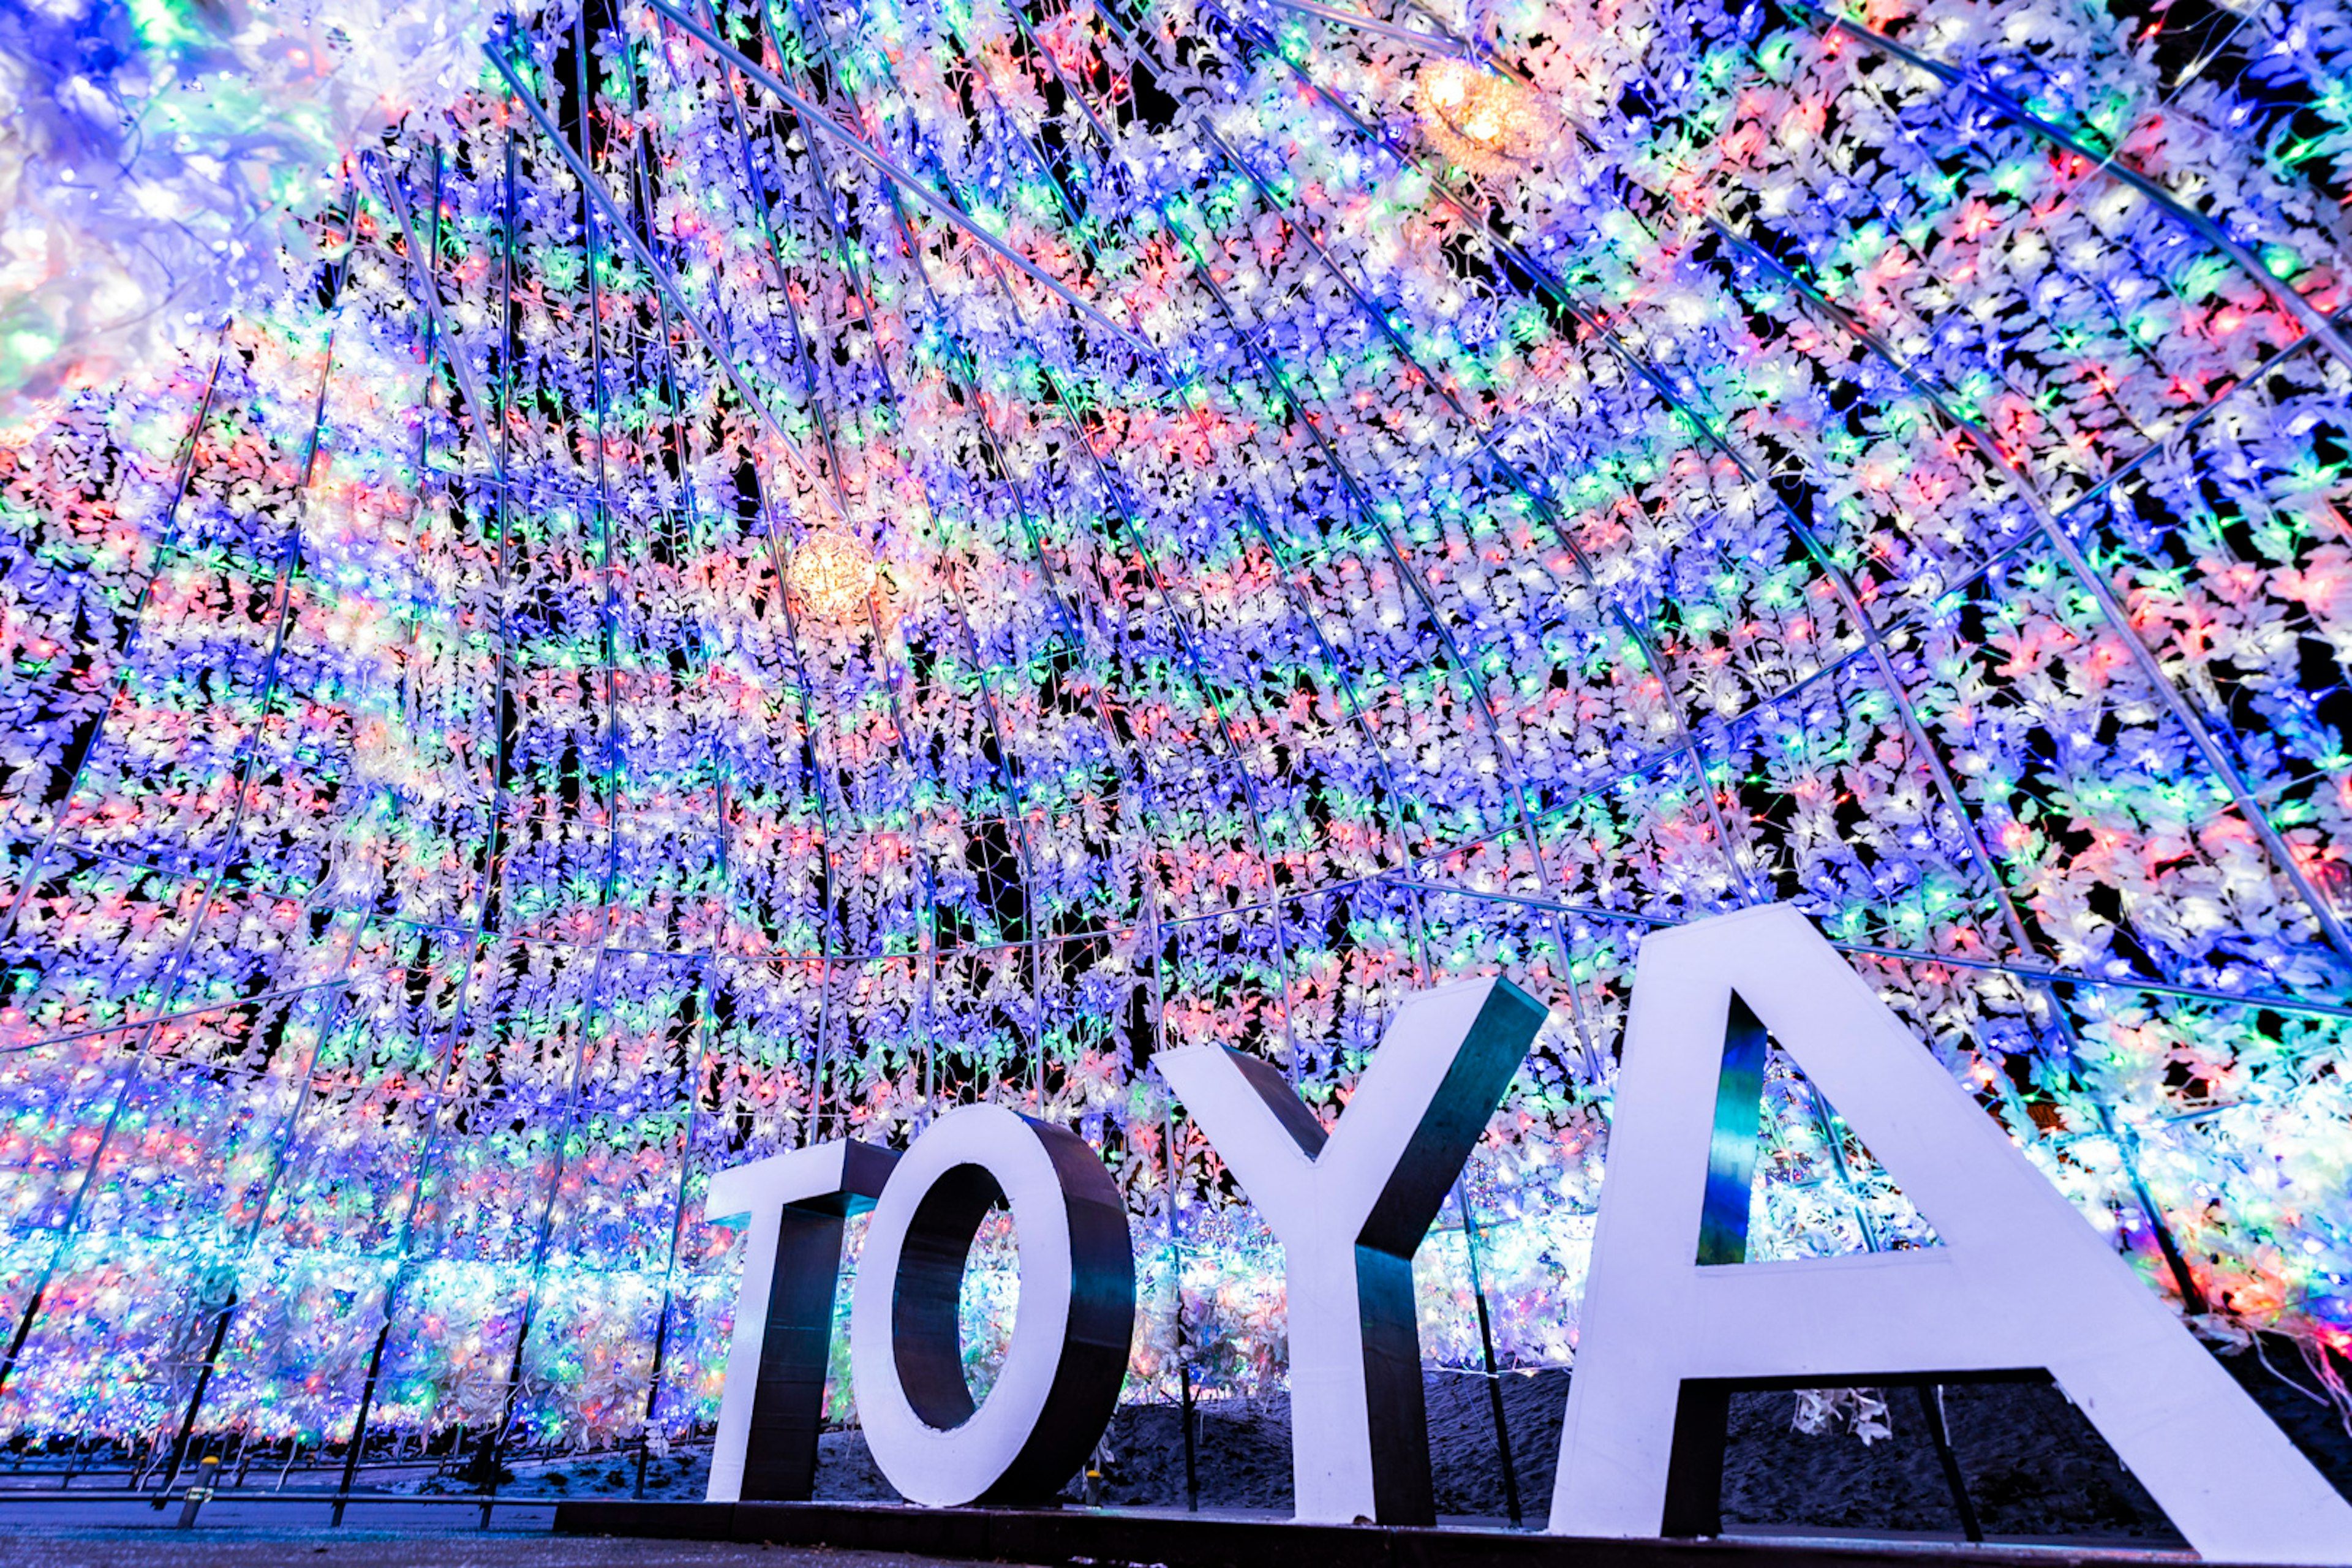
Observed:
{"x":1673,"y":1316}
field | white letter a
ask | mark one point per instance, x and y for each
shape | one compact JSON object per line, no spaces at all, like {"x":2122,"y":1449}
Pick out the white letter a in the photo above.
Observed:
{"x":2020,"y":1282}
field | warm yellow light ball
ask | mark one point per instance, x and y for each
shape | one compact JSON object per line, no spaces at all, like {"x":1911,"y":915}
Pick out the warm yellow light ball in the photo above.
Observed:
{"x":832,"y":574}
{"x":1483,"y":123}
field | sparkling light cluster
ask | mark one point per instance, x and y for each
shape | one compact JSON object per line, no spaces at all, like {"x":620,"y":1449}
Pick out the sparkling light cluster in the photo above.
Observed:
{"x":1896,"y":464}
{"x":161,"y":159}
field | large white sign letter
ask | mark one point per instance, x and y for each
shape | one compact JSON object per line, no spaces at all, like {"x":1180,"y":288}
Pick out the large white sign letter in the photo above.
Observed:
{"x":1062,"y":1372}
{"x":2020,"y":1282}
{"x":774,"y":1397}
{"x":1350,"y":1211}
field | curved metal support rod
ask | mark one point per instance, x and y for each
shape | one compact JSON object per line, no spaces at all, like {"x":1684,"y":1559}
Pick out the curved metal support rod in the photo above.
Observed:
{"x":1115,"y":493}
{"x":816,"y":119}
{"x":706,"y":1045}
{"x":1874,"y":636}
{"x":2216,"y":758}
{"x":803,"y":349}
{"x":1114,"y":490}
{"x":827,"y":959}
{"x":970,"y":371}
{"x":1015,"y":793}
{"x":395,"y":194}
{"x":1689,"y":746}
{"x":704,"y":1028}
{"x":2264,"y":1001}
{"x":1302,"y":606}
{"x":1905,"y":618}
{"x":1442,"y":42}
{"x":279,"y":1147}
{"x":285,"y":995}
{"x":1643,"y":765}
{"x":164,"y":546}
{"x":917,"y":760}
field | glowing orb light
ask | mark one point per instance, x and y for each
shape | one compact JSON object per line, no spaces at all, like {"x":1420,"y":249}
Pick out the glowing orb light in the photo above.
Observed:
{"x":1483,"y":122}
{"x":832,"y":574}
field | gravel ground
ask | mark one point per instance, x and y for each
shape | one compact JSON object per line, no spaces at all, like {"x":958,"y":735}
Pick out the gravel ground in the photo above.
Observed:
{"x":67,"y":1548}
{"x":2035,"y":1468}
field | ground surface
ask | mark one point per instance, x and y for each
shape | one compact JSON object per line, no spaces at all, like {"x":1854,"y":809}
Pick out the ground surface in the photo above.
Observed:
{"x":2036,"y":1471}
{"x":53,"y":1547}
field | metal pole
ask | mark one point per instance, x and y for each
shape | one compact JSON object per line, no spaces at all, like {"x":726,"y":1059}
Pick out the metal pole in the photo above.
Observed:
{"x":195,"y":1403}
{"x":1175,"y":1234}
{"x":1487,"y":1347}
{"x":359,"y":1426}
{"x":1931,"y":1406}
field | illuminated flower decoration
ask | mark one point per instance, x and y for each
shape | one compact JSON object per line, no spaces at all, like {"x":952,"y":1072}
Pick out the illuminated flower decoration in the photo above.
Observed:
{"x":832,"y":574}
{"x":1486,"y":124}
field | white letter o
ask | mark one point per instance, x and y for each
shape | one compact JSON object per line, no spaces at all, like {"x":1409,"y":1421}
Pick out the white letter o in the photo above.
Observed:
{"x":1062,"y":1372}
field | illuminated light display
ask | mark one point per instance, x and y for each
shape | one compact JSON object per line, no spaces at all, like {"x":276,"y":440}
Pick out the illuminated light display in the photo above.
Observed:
{"x":1893,"y":463}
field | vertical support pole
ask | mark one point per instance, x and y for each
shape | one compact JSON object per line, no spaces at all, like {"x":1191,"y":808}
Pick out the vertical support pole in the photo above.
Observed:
{"x":652,"y":1389}
{"x":486,"y":1452}
{"x":1192,"y":1469}
{"x":1486,"y":1348}
{"x":23,"y":1331}
{"x":1931,"y":1406}
{"x":1158,"y":942}
{"x":1176,"y":1253}
{"x":367,"y":1404}
{"x":196,"y":1398}
{"x":199,"y":1492}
